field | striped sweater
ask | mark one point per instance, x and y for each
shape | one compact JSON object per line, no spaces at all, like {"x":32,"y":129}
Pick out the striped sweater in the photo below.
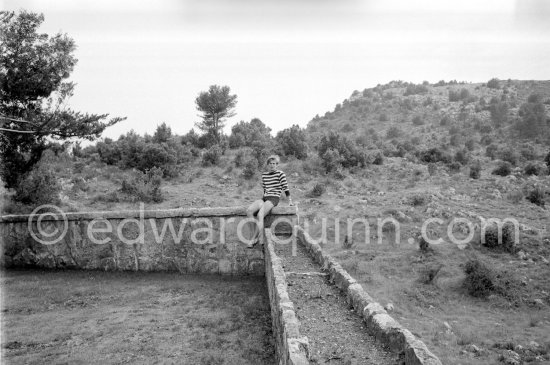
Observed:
{"x":274,"y":183}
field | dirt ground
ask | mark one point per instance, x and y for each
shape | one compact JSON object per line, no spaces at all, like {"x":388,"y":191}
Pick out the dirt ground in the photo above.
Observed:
{"x":82,"y":317}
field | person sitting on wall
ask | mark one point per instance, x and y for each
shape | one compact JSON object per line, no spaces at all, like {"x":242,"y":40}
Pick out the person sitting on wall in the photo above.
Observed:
{"x":274,"y":183}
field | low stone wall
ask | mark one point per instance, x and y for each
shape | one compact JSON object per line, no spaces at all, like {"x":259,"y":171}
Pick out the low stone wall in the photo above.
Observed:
{"x":202,"y":240}
{"x":378,"y":322}
{"x":291,"y":348}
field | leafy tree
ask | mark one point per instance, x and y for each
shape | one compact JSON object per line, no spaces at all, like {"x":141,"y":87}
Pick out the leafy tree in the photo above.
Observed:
{"x":499,"y":112}
{"x":293,"y":142}
{"x":162,"y":134}
{"x":494,"y":83}
{"x":33,"y":67}
{"x":533,"y":121}
{"x":245,"y":134}
{"x":216,"y":105}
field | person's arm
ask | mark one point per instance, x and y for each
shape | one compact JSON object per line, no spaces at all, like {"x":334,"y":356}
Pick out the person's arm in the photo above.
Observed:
{"x":284,"y":186}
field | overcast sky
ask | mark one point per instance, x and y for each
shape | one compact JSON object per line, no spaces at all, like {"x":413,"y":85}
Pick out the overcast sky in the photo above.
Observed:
{"x":287,"y":60}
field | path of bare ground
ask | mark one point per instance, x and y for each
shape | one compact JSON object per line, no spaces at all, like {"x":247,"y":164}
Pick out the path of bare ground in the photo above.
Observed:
{"x":92,"y":317}
{"x":336,"y":334}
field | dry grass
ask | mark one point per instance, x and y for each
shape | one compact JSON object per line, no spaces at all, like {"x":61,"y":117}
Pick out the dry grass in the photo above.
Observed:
{"x":114,"y":318}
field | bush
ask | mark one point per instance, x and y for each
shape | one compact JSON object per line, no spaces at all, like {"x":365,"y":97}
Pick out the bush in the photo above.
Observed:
{"x":378,"y":159}
{"x":503,"y":169}
{"x":536,"y":196}
{"x":432,"y":168}
{"x":336,"y":150}
{"x":38,"y":187}
{"x":250,"y":168}
{"x":494,"y":83}
{"x":470,"y":145}
{"x":212,"y":156}
{"x":515,"y":196}
{"x":509,"y":155}
{"x":528,"y":153}
{"x":293,"y":142}
{"x":144,"y":186}
{"x":331,"y":160}
{"x":417,"y":120}
{"x":446,"y":120}
{"x":479,"y":281}
{"x":507,"y":243}
{"x":242,"y":156}
{"x":475,"y":170}
{"x":532,"y":169}
{"x":430,"y":273}
{"x":417,"y":199}
{"x":393,"y":132}
{"x":462,"y":157}
{"x":491,"y":151}
{"x":318,"y":190}
{"x":454,"y":166}
{"x":434,"y":155}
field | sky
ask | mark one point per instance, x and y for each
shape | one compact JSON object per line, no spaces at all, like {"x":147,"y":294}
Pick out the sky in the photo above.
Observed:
{"x":286,"y":60}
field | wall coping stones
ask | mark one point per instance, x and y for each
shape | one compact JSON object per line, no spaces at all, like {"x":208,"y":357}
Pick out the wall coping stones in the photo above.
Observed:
{"x":291,"y":347}
{"x":378,"y":322}
{"x":164,"y":213}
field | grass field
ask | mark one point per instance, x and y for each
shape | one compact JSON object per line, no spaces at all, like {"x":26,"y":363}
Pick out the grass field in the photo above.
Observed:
{"x":82,"y":317}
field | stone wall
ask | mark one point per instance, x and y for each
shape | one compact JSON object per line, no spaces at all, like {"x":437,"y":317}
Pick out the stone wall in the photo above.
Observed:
{"x":202,"y":240}
{"x":378,"y":322}
{"x":291,"y":348}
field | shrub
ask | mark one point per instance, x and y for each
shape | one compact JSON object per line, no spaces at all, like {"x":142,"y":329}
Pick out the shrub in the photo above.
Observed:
{"x":475,"y":170}
{"x":417,"y":120}
{"x":509,"y":155}
{"x":246,"y":133}
{"x":378,"y":159}
{"x":536,"y":196}
{"x":79,"y":166}
{"x":503,"y":169}
{"x":491,"y":151}
{"x":211,"y":156}
{"x":470,"y":145}
{"x":532,"y":169}
{"x":528,"y":153}
{"x":432,"y":168}
{"x":424,"y":246}
{"x":430,"y":273}
{"x":383,"y":117}
{"x":336,"y":150}
{"x":109,"y":151}
{"x":494,"y":83}
{"x":454,"y":166}
{"x":462,"y":157}
{"x":293,"y":142}
{"x":241,"y":157}
{"x":479,"y":281}
{"x":250,"y":168}
{"x":38,"y":187}
{"x":417,"y":199}
{"x":144,"y":186}
{"x":445,"y":120}
{"x":434,"y":155}
{"x":515,"y":196}
{"x":348,"y":243}
{"x":318,"y":190}
{"x":393,"y":132}
{"x":507,"y":237}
